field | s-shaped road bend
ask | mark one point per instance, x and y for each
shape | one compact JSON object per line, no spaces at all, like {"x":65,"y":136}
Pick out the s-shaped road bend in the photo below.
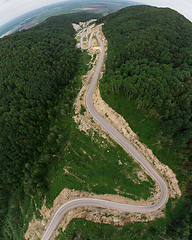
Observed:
{"x":83,"y":202}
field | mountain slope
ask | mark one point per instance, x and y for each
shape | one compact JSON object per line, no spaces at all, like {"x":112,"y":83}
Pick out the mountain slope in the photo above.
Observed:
{"x":150,"y":57}
{"x":37,"y":66}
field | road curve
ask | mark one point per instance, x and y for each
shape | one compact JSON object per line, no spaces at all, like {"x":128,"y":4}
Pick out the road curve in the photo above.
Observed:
{"x":80,"y":202}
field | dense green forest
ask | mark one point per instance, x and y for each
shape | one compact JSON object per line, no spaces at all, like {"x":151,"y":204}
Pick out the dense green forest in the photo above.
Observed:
{"x":149,"y":60}
{"x":150,"y":57}
{"x":37,"y":66}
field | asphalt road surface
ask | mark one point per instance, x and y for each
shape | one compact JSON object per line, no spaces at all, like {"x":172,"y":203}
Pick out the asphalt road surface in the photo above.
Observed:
{"x":125,"y":144}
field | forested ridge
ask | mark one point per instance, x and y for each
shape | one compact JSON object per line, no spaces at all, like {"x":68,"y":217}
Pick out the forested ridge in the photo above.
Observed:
{"x":150,"y":57}
{"x":149,"y":60}
{"x":36,"y":69}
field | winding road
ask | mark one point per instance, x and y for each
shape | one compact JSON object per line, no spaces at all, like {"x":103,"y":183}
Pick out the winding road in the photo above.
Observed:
{"x":81,"y":202}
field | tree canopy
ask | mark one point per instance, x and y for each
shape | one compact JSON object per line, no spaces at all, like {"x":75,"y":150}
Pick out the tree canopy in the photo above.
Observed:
{"x":35,"y":65}
{"x":150,"y":57}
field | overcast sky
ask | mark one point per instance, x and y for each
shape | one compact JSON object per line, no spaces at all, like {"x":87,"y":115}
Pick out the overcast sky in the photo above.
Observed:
{"x":9,"y":9}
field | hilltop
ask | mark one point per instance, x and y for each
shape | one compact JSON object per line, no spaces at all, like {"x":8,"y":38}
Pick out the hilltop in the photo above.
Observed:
{"x":150,"y":57}
{"x":148,"y":82}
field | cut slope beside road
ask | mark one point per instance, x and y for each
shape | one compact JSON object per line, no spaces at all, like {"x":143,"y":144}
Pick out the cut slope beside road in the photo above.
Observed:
{"x":122,"y":141}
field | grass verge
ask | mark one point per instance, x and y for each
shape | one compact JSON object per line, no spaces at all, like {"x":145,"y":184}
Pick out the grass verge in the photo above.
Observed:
{"x":148,"y":127}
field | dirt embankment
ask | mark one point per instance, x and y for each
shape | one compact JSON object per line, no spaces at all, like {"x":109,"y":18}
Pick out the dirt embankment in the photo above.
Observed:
{"x":99,"y":215}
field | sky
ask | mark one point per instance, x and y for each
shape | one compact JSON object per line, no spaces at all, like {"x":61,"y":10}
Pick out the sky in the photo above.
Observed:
{"x":10,"y":9}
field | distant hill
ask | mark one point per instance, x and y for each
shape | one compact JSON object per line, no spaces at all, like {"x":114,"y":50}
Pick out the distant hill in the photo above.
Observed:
{"x":34,"y":17}
{"x":150,"y":57}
